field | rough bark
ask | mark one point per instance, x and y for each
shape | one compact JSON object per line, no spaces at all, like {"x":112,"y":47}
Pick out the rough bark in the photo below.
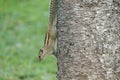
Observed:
{"x":88,"y":40}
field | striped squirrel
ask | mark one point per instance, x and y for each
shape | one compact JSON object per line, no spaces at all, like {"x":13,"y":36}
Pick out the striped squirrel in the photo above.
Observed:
{"x":50,"y":37}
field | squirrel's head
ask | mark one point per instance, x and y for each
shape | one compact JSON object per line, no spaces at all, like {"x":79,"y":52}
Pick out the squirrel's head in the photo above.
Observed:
{"x":43,"y":53}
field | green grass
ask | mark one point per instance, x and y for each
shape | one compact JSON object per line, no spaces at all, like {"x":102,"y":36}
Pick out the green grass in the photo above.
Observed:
{"x":23,"y":24}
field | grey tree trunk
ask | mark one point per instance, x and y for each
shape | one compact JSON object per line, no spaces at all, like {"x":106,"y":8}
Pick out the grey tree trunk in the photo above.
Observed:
{"x":88,"y":40}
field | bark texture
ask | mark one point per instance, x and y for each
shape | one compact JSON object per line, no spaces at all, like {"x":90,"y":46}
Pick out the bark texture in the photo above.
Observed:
{"x":88,"y":40}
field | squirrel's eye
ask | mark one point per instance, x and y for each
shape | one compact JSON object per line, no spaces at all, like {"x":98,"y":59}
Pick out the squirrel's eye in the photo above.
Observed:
{"x":41,"y":50}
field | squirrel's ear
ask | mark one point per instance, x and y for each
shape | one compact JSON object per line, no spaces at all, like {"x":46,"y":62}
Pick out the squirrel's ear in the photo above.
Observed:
{"x":41,"y":50}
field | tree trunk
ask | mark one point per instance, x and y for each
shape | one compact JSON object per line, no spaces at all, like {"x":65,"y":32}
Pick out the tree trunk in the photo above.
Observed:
{"x":88,"y":40}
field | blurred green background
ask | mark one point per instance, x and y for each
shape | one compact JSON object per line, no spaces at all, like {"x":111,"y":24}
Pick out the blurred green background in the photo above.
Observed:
{"x":23,"y":24}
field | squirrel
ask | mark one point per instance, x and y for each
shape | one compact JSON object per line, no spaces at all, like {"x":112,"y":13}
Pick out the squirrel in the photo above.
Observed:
{"x":50,"y":37}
